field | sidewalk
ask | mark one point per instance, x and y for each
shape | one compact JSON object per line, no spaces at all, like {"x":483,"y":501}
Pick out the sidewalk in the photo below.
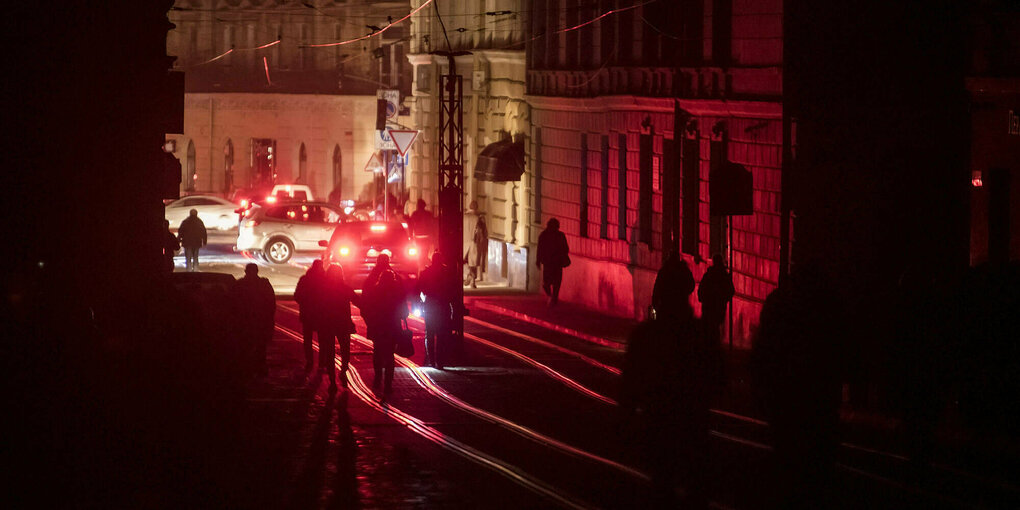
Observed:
{"x":591,"y":325}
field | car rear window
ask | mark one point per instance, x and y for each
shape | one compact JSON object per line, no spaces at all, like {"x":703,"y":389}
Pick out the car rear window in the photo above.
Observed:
{"x":393,"y":234}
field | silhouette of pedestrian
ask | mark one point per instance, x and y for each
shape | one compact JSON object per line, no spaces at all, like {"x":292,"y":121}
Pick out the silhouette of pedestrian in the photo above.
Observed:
{"x":714,"y":292}
{"x":387,"y":305}
{"x":382,"y":264}
{"x":170,"y":246}
{"x":477,"y":252}
{"x":256,"y":308}
{"x":337,"y":325}
{"x":796,"y":361}
{"x":670,"y":376}
{"x":434,"y":283}
{"x":551,"y":256}
{"x":423,"y":228}
{"x":917,"y":371}
{"x":193,"y":236}
{"x":308,"y":294}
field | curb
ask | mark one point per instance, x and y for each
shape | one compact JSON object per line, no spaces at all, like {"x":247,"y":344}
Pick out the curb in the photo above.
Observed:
{"x":549,"y":325}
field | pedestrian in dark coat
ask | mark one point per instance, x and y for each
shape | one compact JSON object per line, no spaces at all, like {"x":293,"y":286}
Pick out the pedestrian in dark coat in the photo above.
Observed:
{"x":256,"y":309}
{"x":388,"y":305}
{"x":435,"y":285}
{"x":423,"y":228}
{"x":337,"y":325}
{"x":798,"y":362}
{"x":308,"y":294}
{"x":670,"y":377}
{"x":714,"y":292}
{"x":477,"y":252}
{"x":193,"y":236}
{"x":551,"y":256}
{"x":170,"y":247}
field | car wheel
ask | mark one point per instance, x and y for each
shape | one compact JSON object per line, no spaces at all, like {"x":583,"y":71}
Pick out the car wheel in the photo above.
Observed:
{"x":279,"y":250}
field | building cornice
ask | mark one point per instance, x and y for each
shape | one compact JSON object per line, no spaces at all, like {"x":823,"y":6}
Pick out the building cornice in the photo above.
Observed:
{"x":698,"y":107}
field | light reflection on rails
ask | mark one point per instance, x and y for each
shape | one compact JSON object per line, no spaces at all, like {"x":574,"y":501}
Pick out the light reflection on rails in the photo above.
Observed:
{"x":430,"y":385}
{"x":728,"y":437}
{"x":419,"y":427}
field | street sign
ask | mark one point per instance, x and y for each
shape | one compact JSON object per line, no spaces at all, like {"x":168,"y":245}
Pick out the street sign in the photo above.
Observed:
{"x":392,"y":98}
{"x":396,"y":166}
{"x":375,"y":163}
{"x":402,"y":139}
{"x":383,"y":141}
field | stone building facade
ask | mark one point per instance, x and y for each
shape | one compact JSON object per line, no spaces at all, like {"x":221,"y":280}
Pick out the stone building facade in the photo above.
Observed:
{"x":494,"y":107}
{"x":262,"y":97}
{"x":597,"y":91}
{"x":629,"y":116}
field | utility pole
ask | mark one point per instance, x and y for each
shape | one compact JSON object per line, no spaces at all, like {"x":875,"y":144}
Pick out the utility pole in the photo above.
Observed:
{"x":451,"y":185}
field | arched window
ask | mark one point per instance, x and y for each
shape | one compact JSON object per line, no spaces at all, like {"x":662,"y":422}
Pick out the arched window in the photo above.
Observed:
{"x":302,"y":176}
{"x":228,"y":166}
{"x":337,"y":172}
{"x":190,"y":173}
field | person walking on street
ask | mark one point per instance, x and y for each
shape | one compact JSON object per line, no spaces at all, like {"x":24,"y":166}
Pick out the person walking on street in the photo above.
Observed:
{"x":337,"y":325}
{"x":714,"y":292}
{"x":435,"y":285}
{"x":170,"y":246}
{"x":256,"y":306}
{"x":387,"y":305}
{"x":798,"y":363}
{"x":423,"y":228}
{"x":308,"y":294}
{"x":477,"y":252}
{"x":193,"y":236}
{"x":670,"y":376}
{"x":551,"y":257}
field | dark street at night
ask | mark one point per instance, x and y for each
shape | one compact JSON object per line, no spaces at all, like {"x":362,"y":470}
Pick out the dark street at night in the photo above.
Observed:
{"x":731,"y":254}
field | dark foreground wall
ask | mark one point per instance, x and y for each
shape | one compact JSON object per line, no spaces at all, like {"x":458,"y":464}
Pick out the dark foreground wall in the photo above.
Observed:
{"x":85,"y":311}
{"x":880,"y":182}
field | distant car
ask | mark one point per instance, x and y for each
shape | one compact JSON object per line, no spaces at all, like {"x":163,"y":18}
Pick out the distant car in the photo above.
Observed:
{"x":277,"y":231}
{"x":214,"y":211}
{"x":357,"y":244}
{"x":246,"y":198}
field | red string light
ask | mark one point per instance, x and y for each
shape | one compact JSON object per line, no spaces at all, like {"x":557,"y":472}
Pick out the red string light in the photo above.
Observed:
{"x":231,"y":50}
{"x":614,"y":11}
{"x":373,"y":34}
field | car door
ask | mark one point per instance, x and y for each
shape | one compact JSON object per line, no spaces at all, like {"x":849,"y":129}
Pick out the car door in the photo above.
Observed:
{"x":307,"y":227}
{"x":331,"y":218}
{"x":283,"y":222}
{"x":206,"y":211}
{"x":177,"y":211}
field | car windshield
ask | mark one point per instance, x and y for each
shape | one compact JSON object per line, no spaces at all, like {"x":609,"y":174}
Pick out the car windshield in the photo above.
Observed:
{"x":374,"y":234}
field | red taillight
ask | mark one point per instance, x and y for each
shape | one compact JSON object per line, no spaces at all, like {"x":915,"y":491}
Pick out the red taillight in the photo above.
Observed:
{"x":270,"y":199}
{"x":344,"y":251}
{"x":412,"y":252}
{"x":244,"y":203}
{"x":378,"y":228}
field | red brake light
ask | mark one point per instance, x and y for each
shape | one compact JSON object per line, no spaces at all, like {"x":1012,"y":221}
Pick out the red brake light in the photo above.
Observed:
{"x":344,"y":251}
{"x":378,"y":228}
{"x":412,"y":251}
{"x":270,"y":199}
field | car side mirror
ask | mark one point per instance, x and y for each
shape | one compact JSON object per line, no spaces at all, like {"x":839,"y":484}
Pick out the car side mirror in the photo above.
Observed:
{"x":324,"y":244}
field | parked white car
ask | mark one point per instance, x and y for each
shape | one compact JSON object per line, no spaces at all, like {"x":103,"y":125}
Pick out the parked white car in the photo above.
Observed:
{"x":214,"y":211}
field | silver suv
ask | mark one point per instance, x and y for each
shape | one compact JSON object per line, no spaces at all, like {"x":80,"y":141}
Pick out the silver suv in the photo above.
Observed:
{"x":276,"y":231}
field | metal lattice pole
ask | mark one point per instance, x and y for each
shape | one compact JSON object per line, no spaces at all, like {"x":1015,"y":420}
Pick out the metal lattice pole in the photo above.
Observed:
{"x":451,"y":189}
